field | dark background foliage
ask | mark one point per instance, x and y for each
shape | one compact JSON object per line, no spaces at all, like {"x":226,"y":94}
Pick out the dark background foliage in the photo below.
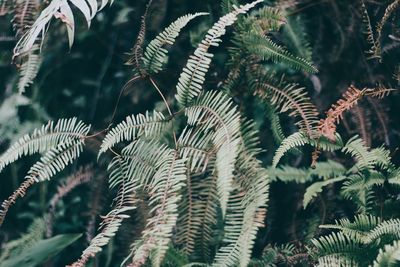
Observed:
{"x":86,"y":80}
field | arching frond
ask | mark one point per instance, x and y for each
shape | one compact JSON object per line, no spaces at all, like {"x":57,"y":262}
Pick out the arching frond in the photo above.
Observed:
{"x":147,"y":125}
{"x":300,"y":139}
{"x":389,"y":256}
{"x":193,"y":75}
{"x":215,"y":111}
{"x":289,"y":98}
{"x":45,"y":138}
{"x":60,"y":9}
{"x":264,"y":48}
{"x":313,"y":190}
{"x":155,"y":55}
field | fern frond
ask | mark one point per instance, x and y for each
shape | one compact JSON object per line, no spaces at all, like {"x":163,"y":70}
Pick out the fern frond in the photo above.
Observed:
{"x":356,"y":230}
{"x":193,"y":75}
{"x":125,"y":202}
{"x":246,"y":213}
{"x":45,"y":138}
{"x":337,"y":245}
{"x":313,"y":190}
{"x":266,"y":49}
{"x":298,"y":139}
{"x":29,"y":69}
{"x":137,"y":163}
{"x":155,"y":55}
{"x":389,"y":256}
{"x":288,"y":98}
{"x":147,"y":125}
{"x":196,"y":146}
{"x":164,"y":197}
{"x":52,"y":162}
{"x":327,"y":126}
{"x":215,"y":111}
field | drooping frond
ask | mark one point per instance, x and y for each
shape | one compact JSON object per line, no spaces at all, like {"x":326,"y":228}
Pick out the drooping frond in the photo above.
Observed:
{"x":52,"y":162}
{"x":215,"y":111}
{"x":247,"y":204}
{"x":193,"y":75}
{"x":266,"y":49}
{"x":147,"y":125}
{"x":246,"y":214}
{"x":29,"y":69}
{"x":298,"y":139}
{"x":389,"y":256}
{"x":289,"y":98}
{"x":125,"y":202}
{"x":313,"y":190}
{"x":155,"y":55}
{"x":60,"y":9}
{"x":164,"y":198}
{"x":45,"y":138}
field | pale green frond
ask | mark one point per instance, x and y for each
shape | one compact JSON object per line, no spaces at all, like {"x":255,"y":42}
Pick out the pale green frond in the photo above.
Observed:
{"x":164,"y":199}
{"x":44,"y":139}
{"x":137,"y":163}
{"x":55,"y":160}
{"x":245,"y":215}
{"x":313,"y":190}
{"x":197,"y":147}
{"x":193,"y":75}
{"x":215,"y":111}
{"x":133,"y":127}
{"x":155,"y":55}
{"x":389,"y":256}
{"x":29,"y":69}
{"x":60,"y":9}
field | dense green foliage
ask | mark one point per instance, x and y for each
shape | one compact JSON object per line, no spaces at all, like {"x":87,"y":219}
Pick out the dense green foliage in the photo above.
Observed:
{"x":209,"y":133}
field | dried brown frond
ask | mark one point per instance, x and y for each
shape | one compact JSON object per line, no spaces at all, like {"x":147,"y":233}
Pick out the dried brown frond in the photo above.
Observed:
{"x":82,"y":176}
{"x":19,"y":192}
{"x":327,"y":126}
{"x":137,"y":50}
{"x":369,"y":32}
{"x":25,"y":13}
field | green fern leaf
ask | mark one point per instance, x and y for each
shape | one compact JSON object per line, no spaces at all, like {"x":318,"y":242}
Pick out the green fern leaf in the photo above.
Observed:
{"x":193,"y":75}
{"x":155,"y":55}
